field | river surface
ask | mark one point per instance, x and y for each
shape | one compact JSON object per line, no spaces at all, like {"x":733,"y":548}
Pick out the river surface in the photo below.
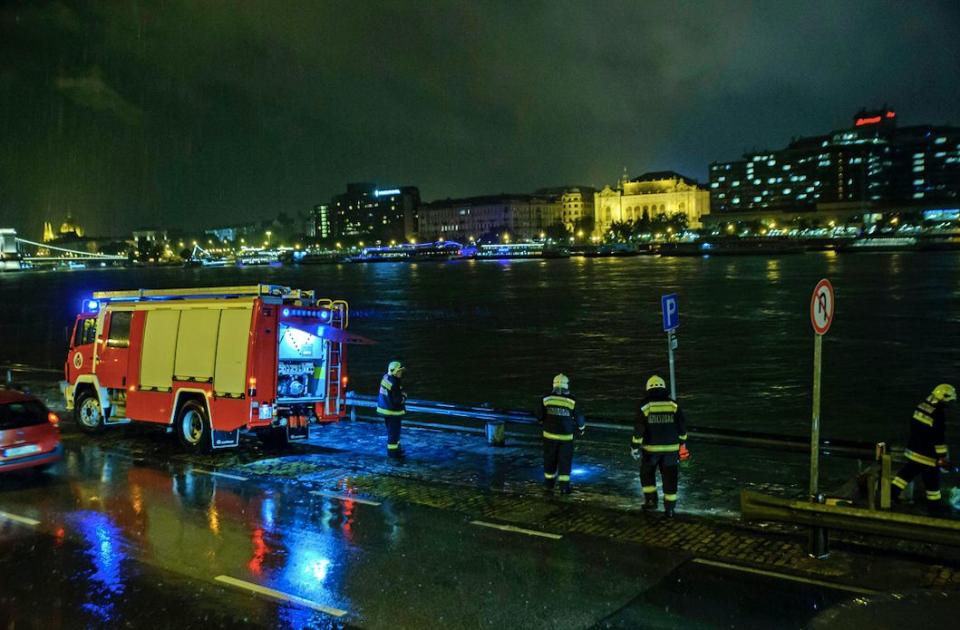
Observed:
{"x":497,"y":332}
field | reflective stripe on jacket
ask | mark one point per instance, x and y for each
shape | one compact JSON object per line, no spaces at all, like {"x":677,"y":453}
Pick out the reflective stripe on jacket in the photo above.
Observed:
{"x":927,"y":442}
{"x":660,"y":426}
{"x":558,"y":416}
{"x":391,"y":399}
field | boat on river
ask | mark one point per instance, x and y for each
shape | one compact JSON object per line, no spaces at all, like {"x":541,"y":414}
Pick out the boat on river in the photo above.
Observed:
{"x":519,"y":250}
{"x":422,"y":252}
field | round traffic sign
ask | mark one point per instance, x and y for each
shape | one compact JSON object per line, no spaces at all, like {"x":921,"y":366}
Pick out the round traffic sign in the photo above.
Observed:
{"x":822,"y":306}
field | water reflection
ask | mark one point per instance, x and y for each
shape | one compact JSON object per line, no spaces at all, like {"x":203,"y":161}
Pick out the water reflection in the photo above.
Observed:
{"x":104,"y":546}
{"x":773,"y":269}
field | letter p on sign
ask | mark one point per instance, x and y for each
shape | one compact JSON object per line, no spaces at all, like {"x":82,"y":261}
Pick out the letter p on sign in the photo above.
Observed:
{"x":670,"y":307}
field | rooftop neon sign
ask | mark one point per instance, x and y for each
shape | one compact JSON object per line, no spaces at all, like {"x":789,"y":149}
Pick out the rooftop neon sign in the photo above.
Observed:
{"x":872,"y":120}
{"x":386,"y":193}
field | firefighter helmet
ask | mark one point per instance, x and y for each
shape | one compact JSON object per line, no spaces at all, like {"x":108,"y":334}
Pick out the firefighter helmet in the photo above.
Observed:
{"x":655,"y":382}
{"x":560,"y":381}
{"x":945,"y":393}
{"x":394,"y":368}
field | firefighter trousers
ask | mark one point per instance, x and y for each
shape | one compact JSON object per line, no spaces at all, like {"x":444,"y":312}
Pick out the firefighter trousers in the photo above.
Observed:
{"x":931,"y":480}
{"x":557,"y":461}
{"x":393,"y":432}
{"x":669,"y":466}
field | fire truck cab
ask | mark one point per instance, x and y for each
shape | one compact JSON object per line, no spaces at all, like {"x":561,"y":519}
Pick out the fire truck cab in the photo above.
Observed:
{"x":209,"y":362}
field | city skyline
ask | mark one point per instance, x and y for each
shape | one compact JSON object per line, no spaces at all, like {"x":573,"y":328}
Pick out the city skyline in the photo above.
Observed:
{"x":115,"y":117}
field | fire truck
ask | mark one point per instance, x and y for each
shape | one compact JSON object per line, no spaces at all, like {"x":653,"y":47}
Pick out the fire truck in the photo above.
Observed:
{"x":209,"y":362}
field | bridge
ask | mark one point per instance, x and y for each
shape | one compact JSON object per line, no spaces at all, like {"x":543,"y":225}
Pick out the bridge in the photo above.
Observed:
{"x":19,"y":253}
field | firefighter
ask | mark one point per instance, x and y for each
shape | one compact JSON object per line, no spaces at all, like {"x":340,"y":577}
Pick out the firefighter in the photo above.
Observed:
{"x":559,"y":418}
{"x":391,"y":404}
{"x":926,"y":450}
{"x":660,"y":434}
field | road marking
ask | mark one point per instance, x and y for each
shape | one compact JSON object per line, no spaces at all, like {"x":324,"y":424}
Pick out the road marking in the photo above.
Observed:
{"x":19,"y":519}
{"x":285,"y":597}
{"x":214,"y":473}
{"x":786,"y":576}
{"x":344,"y":497}
{"x":517,"y":530}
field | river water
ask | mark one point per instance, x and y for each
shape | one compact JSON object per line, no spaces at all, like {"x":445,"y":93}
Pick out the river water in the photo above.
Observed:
{"x":497,"y":331}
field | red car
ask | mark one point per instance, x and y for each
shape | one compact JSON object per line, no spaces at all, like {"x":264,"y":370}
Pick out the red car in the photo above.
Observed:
{"x":29,"y":436}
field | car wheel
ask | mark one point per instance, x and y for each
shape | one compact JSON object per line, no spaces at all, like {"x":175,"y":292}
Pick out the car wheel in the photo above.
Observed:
{"x":193,"y":426}
{"x":88,"y":413}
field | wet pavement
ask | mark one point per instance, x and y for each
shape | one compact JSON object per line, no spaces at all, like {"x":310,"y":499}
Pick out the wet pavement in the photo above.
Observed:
{"x":130,"y":531}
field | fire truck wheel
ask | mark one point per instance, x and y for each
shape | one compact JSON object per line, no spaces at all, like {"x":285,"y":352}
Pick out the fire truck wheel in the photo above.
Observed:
{"x":88,"y":413}
{"x":193,"y":426}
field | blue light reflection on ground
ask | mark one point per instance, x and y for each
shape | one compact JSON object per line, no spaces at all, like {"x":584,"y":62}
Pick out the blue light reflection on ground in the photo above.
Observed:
{"x":584,"y":472}
{"x":104,"y":546}
{"x":307,"y":557}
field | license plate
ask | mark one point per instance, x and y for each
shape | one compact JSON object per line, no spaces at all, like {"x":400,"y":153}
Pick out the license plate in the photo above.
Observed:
{"x":21,"y":450}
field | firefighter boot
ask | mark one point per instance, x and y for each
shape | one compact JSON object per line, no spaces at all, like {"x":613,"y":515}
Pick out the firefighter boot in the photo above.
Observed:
{"x":564,"y":484}
{"x":669,"y":508}
{"x":650,"y":501}
{"x":549,"y":483}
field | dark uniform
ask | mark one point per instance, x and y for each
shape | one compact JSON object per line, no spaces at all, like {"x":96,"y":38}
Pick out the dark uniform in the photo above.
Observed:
{"x":660,"y":430}
{"x":559,"y":418}
{"x":927,"y":445}
{"x":391,"y":404}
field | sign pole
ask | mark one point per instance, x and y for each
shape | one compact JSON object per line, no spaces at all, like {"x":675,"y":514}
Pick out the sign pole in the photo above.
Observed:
{"x":670,"y":309}
{"x":822,"y":307}
{"x":815,"y":420}
{"x":673,"y":372}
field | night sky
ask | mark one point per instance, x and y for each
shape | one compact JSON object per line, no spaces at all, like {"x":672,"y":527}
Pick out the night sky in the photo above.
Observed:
{"x":211,"y":112}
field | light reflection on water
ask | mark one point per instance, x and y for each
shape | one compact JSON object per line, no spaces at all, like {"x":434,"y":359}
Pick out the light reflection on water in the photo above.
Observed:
{"x":476,"y":332}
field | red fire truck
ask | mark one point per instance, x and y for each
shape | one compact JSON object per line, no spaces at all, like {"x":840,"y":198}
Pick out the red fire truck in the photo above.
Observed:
{"x":209,"y":362}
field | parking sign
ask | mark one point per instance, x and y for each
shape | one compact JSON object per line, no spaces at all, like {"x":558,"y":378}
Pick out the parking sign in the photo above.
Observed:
{"x":670,"y":307}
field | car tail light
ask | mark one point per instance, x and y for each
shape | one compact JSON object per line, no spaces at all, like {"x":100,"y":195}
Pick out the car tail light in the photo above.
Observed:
{"x":53,"y":418}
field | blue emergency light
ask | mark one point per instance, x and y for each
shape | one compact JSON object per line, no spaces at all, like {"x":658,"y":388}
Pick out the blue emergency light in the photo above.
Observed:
{"x":92,"y":305}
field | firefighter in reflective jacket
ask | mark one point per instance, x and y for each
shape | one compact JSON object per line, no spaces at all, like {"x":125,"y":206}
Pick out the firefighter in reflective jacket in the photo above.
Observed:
{"x":559,"y":418}
{"x":926,"y":450}
{"x":391,"y":404}
{"x":660,"y":433}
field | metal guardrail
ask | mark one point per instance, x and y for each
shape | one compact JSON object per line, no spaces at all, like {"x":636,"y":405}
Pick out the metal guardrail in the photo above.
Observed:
{"x":756,"y":506}
{"x":431,"y":407}
{"x":846,"y":448}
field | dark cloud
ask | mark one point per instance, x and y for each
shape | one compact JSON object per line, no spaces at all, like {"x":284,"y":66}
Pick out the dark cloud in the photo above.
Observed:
{"x":213,"y":112}
{"x":91,"y":92}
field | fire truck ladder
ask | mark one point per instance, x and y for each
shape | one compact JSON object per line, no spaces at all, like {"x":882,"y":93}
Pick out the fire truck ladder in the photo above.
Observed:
{"x":257,"y":290}
{"x":335,"y":386}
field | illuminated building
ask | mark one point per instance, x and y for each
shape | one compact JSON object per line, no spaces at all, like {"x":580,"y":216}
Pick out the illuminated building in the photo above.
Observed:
{"x":321,"y":220}
{"x":651,"y":195}
{"x":517,"y":216}
{"x":373,"y":213}
{"x":68,"y":229}
{"x":875,"y":165}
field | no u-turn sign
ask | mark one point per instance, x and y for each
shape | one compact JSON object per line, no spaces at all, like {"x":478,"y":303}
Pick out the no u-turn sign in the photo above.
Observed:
{"x":821,"y":307}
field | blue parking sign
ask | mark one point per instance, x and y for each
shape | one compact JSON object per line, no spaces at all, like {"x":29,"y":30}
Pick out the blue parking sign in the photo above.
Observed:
{"x":670,"y":306}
